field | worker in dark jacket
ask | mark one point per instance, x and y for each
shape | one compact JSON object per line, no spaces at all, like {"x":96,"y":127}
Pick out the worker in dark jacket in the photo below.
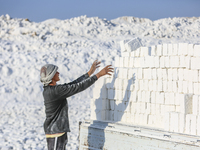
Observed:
{"x":56,"y":124}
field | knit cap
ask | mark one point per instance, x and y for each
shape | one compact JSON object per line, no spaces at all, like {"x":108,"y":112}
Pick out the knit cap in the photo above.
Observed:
{"x":47,"y":72}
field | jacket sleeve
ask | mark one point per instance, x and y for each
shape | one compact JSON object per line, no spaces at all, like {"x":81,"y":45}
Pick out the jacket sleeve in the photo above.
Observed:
{"x":81,"y":78}
{"x":67,"y":90}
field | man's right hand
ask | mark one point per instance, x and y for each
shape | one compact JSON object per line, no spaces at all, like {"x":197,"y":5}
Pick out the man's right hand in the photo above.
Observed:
{"x":105,"y":71}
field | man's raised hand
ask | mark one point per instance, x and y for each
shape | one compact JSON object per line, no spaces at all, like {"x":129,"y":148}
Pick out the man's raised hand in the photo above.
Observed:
{"x":105,"y":71}
{"x":95,"y":65}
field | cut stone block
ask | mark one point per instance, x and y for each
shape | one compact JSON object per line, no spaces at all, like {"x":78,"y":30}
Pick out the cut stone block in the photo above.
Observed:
{"x":196,"y":50}
{"x":191,"y":49}
{"x":133,"y":44}
{"x":159,"y":50}
{"x":186,"y":104}
{"x":165,"y":49}
{"x":122,"y":45}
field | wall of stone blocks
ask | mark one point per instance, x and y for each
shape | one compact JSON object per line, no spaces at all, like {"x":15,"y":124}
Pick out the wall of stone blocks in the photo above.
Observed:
{"x":157,"y":86}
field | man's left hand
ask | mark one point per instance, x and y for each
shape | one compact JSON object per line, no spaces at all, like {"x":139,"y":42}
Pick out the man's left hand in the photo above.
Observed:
{"x":94,"y":66}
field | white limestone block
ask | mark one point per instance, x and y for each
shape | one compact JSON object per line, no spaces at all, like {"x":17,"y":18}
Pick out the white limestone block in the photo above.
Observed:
{"x":151,"y":120}
{"x":150,"y":85}
{"x":169,"y":74}
{"x":182,"y":122}
{"x":165,"y":85}
{"x":140,"y":73}
{"x":121,"y":73}
{"x":148,"y":108}
{"x":110,"y":94}
{"x":170,"y":108}
{"x":126,"y":61}
{"x":108,"y":81}
{"x":169,"y":86}
{"x":131,"y":62}
{"x":126,"y":107}
{"x":122,"y":45}
{"x":196,"y":88}
{"x":153,"y":108}
{"x":159,"y":74}
{"x":191,"y":49}
{"x":137,"y":63}
{"x":188,"y":124}
{"x":174,"y":86}
{"x":137,"y":52}
{"x":124,"y":73}
{"x":162,"y":98}
{"x":147,"y":73}
{"x":185,"y":86}
{"x":177,"y":108}
{"x":160,"y":85}
{"x":133,"y":44}
{"x":167,"y":61}
{"x":144,"y":51}
{"x":190,"y":87}
{"x":141,"y":85}
{"x":105,"y":104}
{"x":137,"y":85}
{"x":158,"y":109}
{"x":139,"y":96}
{"x":142,"y":62}
{"x":175,"y":74}
{"x":180,"y":74}
{"x":133,"y":54}
{"x":120,"y":95}
{"x":126,"y":54}
{"x":118,"y":106}
{"x":174,"y":122}
{"x":164,"y":74}
{"x":171,"y":99}
{"x":153,"y":50}
{"x":146,"y":85}
{"x":194,"y":75}
{"x":186,"y":104}
{"x":175,"y":49}
{"x":167,"y":121}
{"x":132,"y":96}
{"x":186,"y":74}
{"x":159,"y":50}
{"x":154,"y":74}
{"x":116,"y":72}
{"x":198,"y":124}
{"x":183,"y":49}
{"x":153,"y":97}
{"x":195,"y":61}
{"x":195,"y":105}
{"x":193,"y":125}
{"x":162,"y":62}
{"x":188,"y":62}
{"x":167,"y":100}
{"x":121,"y":61}
{"x":125,"y":95}
{"x":196,"y":50}
{"x":156,"y":61}
{"x":148,"y":96}
{"x":174,"y":61}
{"x":132,"y":73}
{"x":165,"y":49}
{"x":170,"y":49}
{"x":155,"y":85}
{"x":143,"y":96}
{"x":182,"y":61}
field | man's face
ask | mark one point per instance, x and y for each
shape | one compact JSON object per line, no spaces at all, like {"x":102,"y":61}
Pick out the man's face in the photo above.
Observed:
{"x":56,"y":77}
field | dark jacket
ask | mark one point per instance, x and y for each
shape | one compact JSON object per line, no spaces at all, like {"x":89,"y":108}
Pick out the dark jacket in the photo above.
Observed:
{"x":56,"y":107}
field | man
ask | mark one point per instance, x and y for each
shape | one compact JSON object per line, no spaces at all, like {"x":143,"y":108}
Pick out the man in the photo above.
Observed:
{"x":56,"y":124}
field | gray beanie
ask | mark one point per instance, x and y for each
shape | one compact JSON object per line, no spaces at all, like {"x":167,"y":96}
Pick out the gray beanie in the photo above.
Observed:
{"x":47,"y":72}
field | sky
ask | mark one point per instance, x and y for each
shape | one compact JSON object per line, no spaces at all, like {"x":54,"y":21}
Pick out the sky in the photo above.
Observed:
{"x":40,"y":10}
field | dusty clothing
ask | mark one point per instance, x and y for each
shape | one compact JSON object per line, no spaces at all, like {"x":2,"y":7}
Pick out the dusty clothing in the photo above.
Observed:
{"x":57,"y":143}
{"x":56,"y":107}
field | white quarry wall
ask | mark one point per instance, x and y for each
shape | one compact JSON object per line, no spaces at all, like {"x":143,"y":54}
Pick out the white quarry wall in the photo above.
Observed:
{"x":157,"y":86}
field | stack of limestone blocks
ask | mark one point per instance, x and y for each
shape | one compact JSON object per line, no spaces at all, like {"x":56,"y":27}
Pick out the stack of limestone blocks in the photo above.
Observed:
{"x":157,"y":86}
